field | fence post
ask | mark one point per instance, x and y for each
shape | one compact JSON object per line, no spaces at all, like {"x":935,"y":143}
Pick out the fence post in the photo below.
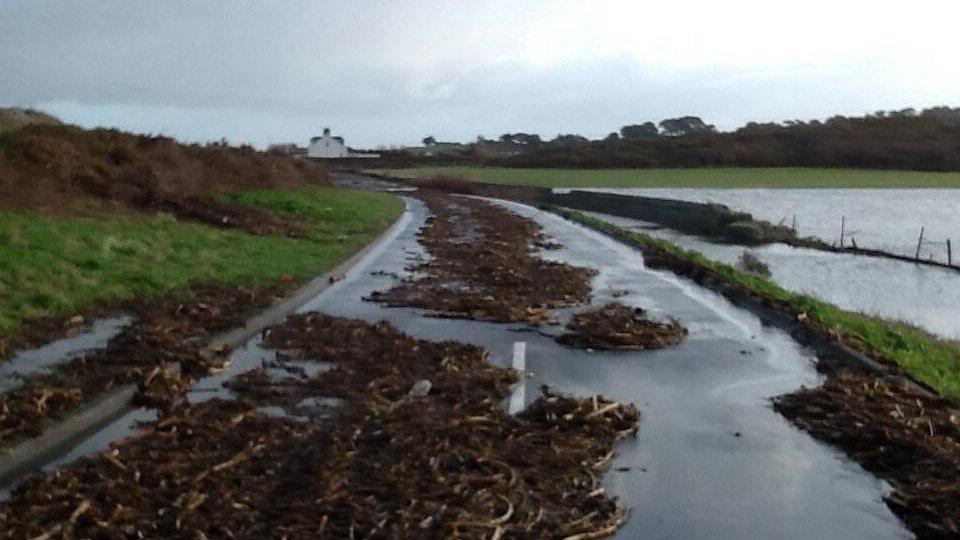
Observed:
{"x":919,"y":243}
{"x":843,"y":228}
{"x":794,"y":225}
{"x":949,"y":253}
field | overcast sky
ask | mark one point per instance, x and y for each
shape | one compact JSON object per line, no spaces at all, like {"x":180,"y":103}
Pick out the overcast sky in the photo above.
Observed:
{"x":383,"y":72}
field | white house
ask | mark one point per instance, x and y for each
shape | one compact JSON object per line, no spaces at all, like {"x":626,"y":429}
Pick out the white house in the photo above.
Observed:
{"x":329,"y":147}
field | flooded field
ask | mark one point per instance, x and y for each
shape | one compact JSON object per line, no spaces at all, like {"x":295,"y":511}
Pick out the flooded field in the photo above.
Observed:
{"x":925,"y":296}
{"x":887,"y":219}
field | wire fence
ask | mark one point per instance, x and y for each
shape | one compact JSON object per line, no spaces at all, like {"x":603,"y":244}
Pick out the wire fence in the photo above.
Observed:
{"x":936,"y":250}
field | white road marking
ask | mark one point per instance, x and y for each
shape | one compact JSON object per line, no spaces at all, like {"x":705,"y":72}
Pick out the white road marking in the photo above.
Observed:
{"x":519,"y":396}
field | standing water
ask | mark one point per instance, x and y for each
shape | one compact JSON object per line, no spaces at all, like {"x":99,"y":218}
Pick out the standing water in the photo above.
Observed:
{"x":885,"y":219}
{"x":923,"y":296}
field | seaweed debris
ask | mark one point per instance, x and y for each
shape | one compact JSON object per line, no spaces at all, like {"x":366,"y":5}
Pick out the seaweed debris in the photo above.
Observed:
{"x":904,"y":436}
{"x":616,"y":326}
{"x":448,"y":462}
{"x":485,"y":266}
{"x":162,"y":351}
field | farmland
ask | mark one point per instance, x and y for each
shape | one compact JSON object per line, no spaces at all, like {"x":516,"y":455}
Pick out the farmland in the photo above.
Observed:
{"x":786,"y":177}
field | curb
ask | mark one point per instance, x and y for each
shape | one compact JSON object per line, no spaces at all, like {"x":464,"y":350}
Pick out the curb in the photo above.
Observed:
{"x":32,"y":454}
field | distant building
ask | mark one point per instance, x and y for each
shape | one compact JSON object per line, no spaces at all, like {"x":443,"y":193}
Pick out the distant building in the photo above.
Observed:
{"x":287,"y":149}
{"x":328,"y":146}
{"x":437,"y":149}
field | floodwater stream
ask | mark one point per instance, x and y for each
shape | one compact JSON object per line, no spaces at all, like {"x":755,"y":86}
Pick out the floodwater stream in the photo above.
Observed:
{"x":712,"y":459}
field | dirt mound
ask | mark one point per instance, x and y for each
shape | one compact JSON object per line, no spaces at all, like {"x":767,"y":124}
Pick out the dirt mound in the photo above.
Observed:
{"x":445,"y":463}
{"x":616,"y":326}
{"x":51,"y":166}
{"x":485,"y":266}
{"x":903,"y":436}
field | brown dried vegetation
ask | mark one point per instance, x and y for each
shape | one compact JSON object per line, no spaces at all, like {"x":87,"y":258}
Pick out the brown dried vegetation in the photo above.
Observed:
{"x":50,"y":167}
{"x":616,"y":326}
{"x":387,"y":465}
{"x":485,"y":267}
{"x":898,"y":433}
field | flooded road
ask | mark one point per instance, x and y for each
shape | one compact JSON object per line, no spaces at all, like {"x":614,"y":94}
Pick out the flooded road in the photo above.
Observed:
{"x":925,"y":296}
{"x":712,"y":459}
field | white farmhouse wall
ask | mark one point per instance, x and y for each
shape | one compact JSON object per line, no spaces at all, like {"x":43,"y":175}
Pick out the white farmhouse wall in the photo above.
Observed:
{"x":327,"y":147}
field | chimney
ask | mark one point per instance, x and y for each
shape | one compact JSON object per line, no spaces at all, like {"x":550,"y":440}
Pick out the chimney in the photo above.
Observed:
{"x":326,"y":131}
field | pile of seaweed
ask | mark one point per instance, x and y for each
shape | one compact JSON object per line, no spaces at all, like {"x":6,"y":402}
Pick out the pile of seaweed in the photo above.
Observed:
{"x":485,"y":266}
{"x":616,"y":326}
{"x":162,"y":351}
{"x":895,"y":431}
{"x":420,"y":448}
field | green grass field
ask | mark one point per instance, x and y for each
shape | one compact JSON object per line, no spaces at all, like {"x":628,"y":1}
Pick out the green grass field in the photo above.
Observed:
{"x":924,"y":356}
{"x":56,"y":265}
{"x":706,"y":177}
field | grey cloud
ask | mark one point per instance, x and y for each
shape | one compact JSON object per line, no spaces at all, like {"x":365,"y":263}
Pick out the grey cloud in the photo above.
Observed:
{"x":382,"y":72}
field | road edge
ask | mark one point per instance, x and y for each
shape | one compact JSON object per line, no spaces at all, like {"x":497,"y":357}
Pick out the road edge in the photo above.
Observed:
{"x":59,"y":437}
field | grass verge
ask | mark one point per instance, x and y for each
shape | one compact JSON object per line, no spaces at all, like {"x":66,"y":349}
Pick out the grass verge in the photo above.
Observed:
{"x":786,"y":177}
{"x":51,"y":266}
{"x":922,"y":355}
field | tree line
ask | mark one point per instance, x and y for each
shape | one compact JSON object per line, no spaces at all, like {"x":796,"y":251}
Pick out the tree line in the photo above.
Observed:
{"x":927,"y":140}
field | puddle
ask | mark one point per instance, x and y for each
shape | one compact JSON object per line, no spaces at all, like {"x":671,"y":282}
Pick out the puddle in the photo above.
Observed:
{"x":251,"y":355}
{"x":39,"y":360}
{"x":121,"y":428}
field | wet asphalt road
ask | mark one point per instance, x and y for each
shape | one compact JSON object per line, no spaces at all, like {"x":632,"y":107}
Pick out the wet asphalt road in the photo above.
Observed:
{"x":713,"y":459}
